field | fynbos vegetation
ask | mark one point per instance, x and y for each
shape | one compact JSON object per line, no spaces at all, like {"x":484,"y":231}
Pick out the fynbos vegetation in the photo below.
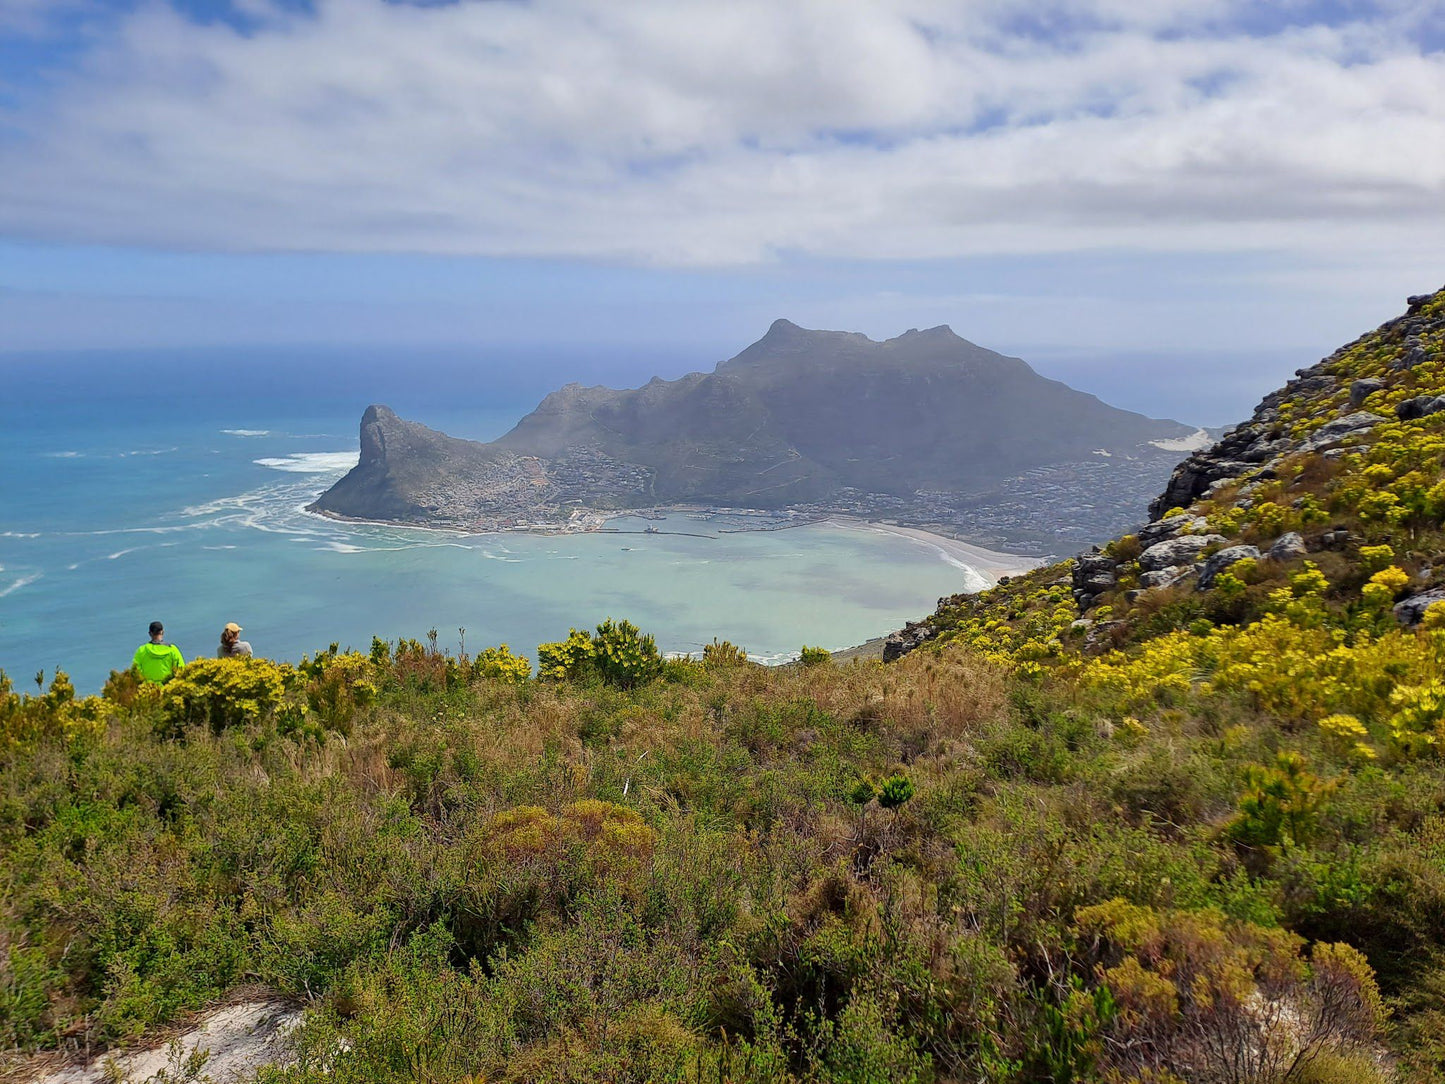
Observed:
{"x":1152,"y":832}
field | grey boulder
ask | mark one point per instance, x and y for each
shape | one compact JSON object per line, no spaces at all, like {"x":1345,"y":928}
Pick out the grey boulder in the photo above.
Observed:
{"x":1411,"y":610}
{"x":1165,"y":577}
{"x":1422,"y":406}
{"x":1183,"y":550}
{"x":1362,"y":389}
{"x":1287,"y":547}
{"x":1340,"y":428}
{"x":1222,"y":560}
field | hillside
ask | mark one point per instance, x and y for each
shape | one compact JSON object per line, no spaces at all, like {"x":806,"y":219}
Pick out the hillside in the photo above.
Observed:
{"x":925,"y":426}
{"x":1172,"y":812}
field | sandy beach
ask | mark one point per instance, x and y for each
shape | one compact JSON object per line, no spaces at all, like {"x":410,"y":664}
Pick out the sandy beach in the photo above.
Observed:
{"x":990,"y":564}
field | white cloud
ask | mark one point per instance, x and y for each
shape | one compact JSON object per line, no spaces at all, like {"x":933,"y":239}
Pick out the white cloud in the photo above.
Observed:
{"x":689,"y":132}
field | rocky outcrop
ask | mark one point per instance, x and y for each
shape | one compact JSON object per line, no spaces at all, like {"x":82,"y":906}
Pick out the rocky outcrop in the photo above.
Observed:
{"x":1183,"y":550}
{"x":1165,"y":577}
{"x":1254,"y":447}
{"x":1093,"y":574}
{"x":1337,"y":430}
{"x":909,"y":638}
{"x":233,"y":1042}
{"x":1411,"y":611}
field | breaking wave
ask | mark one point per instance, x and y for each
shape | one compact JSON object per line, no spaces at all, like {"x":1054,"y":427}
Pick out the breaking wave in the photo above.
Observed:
{"x":311,"y":462}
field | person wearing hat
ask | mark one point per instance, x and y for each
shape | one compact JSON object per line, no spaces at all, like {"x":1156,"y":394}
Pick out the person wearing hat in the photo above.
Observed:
{"x":157,"y":660}
{"x":231,"y":646}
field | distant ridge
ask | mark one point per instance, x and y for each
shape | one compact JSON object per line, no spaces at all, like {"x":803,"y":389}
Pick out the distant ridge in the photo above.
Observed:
{"x":925,"y":426}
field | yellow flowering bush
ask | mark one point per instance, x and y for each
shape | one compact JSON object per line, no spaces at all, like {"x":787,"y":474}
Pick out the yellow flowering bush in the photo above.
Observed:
{"x":1384,"y":585}
{"x":55,"y":713}
{"x":1346,"y":736}
{"x":1376,"y":558}
{"x":499,"y":664}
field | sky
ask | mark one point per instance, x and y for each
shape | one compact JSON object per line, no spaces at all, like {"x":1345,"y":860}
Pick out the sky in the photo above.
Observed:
{"x":1171,"y":203}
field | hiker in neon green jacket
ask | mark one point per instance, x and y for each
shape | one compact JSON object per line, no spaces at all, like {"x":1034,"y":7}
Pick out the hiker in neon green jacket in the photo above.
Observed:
{"x":158,"y":661}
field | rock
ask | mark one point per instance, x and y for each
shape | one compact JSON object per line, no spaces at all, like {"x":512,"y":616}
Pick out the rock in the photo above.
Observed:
{"x":909,"y":638}
{"x":1101,"y":632}
{"x":1422,"y":406}
{"x":1183,"y":550}
{"x":1162,"y":529}
{"x":1337,"y":430}
{"x":1094,"y":573}
{"x":1411,"y":611}
{"x":1362,"y":389}
{"x":1262,"y":451}
{"x":238,"y":1041}
{"x":1412,"y":357}
{"x":1287,"y":547}
{"x":1217,"y":563}
{"x":1165,"y":577}
{"x":1416,"y":302}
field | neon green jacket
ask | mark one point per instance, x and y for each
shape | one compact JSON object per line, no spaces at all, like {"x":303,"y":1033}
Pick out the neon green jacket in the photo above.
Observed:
{"x":157,"y":662}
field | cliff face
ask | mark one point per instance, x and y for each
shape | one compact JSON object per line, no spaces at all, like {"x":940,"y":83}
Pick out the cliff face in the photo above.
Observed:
{"x":922,"y":426}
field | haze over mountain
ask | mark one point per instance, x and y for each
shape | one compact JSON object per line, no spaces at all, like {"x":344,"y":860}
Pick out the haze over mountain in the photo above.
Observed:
{"x":926,"y":426}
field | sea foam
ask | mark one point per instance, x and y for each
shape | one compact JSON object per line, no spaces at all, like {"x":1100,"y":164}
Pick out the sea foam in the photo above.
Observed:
{"x":311,"y":462}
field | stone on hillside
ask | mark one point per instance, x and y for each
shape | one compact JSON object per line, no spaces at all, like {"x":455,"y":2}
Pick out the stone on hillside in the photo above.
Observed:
{"x":1287,"y":547}
{"x":1165,"y":577}
{"x":1094,"y":573}
{"x":1217,"y":563}
{"x":1340,"y":428}
{"x":1161,"y":529}
{"x":1411,"y":611}
{"x":1422,"y":406}
{"x":1183,"y":550}
{"x":1263,"y":450}
{"x":909,"y":638}
{"x":1362,"y":389}
{"x":1413,"y":356}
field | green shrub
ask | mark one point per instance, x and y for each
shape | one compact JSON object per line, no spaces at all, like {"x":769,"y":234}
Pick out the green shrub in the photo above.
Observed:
{"x":894,"y":791}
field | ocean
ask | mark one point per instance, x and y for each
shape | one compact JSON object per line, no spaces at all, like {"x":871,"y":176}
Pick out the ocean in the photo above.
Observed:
{"x":140,"y":487}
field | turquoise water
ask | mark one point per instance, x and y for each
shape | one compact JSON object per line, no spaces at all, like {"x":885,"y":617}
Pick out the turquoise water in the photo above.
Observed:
{"x":190,"y":511}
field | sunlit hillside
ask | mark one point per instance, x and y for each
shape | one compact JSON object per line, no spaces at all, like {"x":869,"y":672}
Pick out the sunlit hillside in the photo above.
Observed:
{"x":1154,"y":816}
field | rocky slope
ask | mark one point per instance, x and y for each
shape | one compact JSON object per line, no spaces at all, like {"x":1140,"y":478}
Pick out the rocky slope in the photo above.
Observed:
{"x":1343,"y":464}
{"x":925,"y":426}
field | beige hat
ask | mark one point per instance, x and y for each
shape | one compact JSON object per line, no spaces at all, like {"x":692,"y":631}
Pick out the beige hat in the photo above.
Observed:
{"x":231,"y":626}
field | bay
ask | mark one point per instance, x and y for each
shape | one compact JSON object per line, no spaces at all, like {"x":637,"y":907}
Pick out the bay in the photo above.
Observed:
{"x":117,"y":509}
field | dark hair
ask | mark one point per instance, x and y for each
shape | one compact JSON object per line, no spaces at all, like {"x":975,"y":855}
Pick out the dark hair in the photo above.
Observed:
{"x":156,"y":629}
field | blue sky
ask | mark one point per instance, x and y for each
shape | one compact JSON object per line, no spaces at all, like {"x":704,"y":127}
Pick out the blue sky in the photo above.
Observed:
{"x":1172,"y":203}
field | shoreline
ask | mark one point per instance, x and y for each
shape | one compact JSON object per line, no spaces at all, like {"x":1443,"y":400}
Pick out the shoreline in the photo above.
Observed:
{"x":988,"y":564}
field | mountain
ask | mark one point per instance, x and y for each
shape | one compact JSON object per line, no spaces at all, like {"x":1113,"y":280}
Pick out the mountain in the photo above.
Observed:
{"x":925,"y":426}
